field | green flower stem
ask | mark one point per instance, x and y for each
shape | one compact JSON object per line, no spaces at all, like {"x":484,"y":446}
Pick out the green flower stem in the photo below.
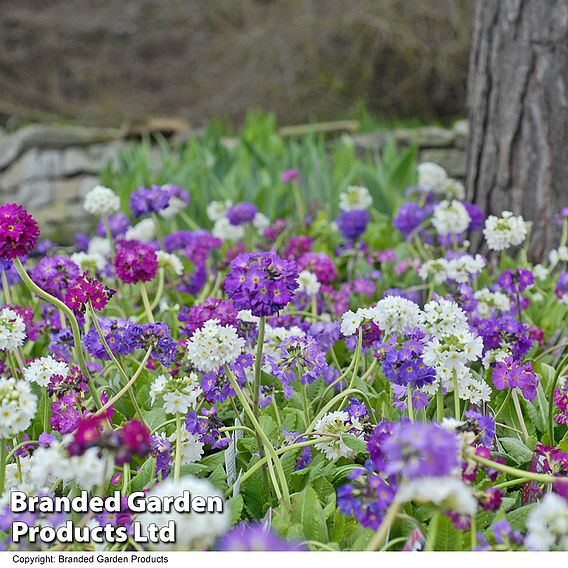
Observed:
{"x":380,"y":537}
{"x":268,"y":445}
{"x":457,"y":413}
{"x":560,"y":368}
{"x":177,"y":462}
{"x":127,"y":386}
{"x":512,"y":482}
{"x":305,"y":404}
{"x":409,"y":403}
{"x":3,"y":456}
{"x":6,"y":288}
{"x":46,"y":405}
{"x":77,"y":341}
{"x":292,"y":447}
{"x":432,"y":533}
{"x":355,"y":366}
{"x":525,"y":475}
{"x":109,"y":234}
{"x":505,"y":401}
{"x":258,"y":364}
{"x":125,"y":478}
{"x":519,"y":412}
{"x":330,"y":405}
{"x":440,"y":403}
{"x":146,"y":302}
{"x":299,"y":203}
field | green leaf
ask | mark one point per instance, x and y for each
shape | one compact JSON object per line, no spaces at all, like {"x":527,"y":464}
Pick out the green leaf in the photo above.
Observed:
{"x":144,"y":476}
{"x":448,"y":537}
{"x":356,"y":444}
{"x":308,"y":513}
{"x":236,"y":505}
{"x":518,"y":518}
{"x":517,"y":450}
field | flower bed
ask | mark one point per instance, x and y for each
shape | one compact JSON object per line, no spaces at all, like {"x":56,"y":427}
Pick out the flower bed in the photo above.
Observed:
{"x":347,"y":383}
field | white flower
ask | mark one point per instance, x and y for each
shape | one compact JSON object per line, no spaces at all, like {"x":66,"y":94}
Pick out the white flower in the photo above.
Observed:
{"x":540,"y":272}
{"x":395,"y":314}
{"x":350,"y":322}
{"x":547,"y":524}
{"x":41,"y":370}
{"x":443,"y":317}
{"x":465,"y":267}
{"x":213,"y":346}
{"x":436,"y":269}
{"x":505,"y":231}
{"x":308,"y":283}
{"x":432,"y":176}
{"x":247,"y":317}
{"x":18,"y":406}
{"x":454,"y":189}
{"x":12,"y":330}
{"x":179,"y":393}
{"x":191,"y":447}
{"x":170,"y":261}
{"x":337,"y":423}
{"x":218,"y":209}
{"x":99,"y":246}
{"x":144,"y":231}
{"x":488,"y":301}
{"x":194,"y":531}
{"x":101,"y":201}
{"x":558,"y":255}
{"x":226,"y":232}
{"x":260,"y":221}
{"x":355,"y":197}
{"x":88,"y":262}
{"x":175,"y":205}
{"x":449,"y":493}
{"x":450,"y":218}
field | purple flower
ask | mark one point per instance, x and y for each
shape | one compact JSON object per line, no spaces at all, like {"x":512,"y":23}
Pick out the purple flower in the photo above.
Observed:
{"x":319,"y":264}
{"x":505,"y":331}
{"x":417,"y":450}
{"x":54,"y":274}
{"x":476,"y":215}
{"x":513,"y":374}
{"x":118,"y":224}
{"x":409,"y":218}
{"x":562,"y":285}
{"x":255,"y":537}
{"x":241,"y":213}
{"x":195,"y":317}
{"x":514,"y":281}
{"x":483,"y":426}
{"x":352,"y":224}
{"x":261,"y":282}
{"x":288,"y":176}
{"x":135,"y":262}
{"x":19,"y":232}
{"x":366,"y":497}
{"x":145,"y":201}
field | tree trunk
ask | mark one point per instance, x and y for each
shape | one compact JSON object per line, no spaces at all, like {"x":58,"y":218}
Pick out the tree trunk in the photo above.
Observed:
{"x":518,"y":103}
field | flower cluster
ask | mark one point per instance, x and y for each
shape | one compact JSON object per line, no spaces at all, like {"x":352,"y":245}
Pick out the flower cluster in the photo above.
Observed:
{"x":18,"y":232}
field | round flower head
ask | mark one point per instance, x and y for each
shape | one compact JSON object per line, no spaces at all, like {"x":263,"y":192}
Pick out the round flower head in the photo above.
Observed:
{"x":213,"y":346}
{"x":562,"y":288}
{"x":226,"y":231}
{"x":450,"y":218}
{"x":194,"y":531}
{"x":355,"y":197}
{"x":101,"y":200}
{"x":336,"y":424}
{"x":319,"y":264}
{"x":135,"y":262}
{"x":261,"y":282}
{"x":41,"y":370}
{"x":396,"y":314}
{"x":170,"y":262}
{"x":505,"y":231}
{"x":144,"y":231}
{"x":18,"y":406}
{"x":18,"y":232}
{"x":241,"y":213}
{"x":218,"y":209}
{"x":547,"y":524}
{"x":432,"y":176}
{"x":12,"y":330}
{"x":353,"y":223}
{"x":308,"y":283}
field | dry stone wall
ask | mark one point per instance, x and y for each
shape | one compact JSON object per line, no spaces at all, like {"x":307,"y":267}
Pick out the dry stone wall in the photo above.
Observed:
{"x":49,"y":169}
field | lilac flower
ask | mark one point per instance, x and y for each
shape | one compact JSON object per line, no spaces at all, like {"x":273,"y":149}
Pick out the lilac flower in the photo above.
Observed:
{"x":288,"y":176}
{"x":325,"y":333}
{"x":476,"y":215}
{"x":417,"y":450}
{"x":298,"y":357}
{"x":403,"y":365}
{"x":400,"y":398}
{"x":55,"y":274}
{"x":352,"y":224}
{"x":366,"y":497}
{"x":483,"y":426}
{"x":561,"y":290}
{"x":514,"y":281}
{"x":118,"y":224}
{"x":157,"y":336}
{"x":319,"y":264}
{"x":505,"y":331}
{"x":145,"y":201}
{"x":376,"y":441}
{"x":261,"y":282}
{"x":121,"y":336}
{"x":409,"y":218}
{"x":255,"y":537}
{"x":513,"y":374}
{"x":241,"y":213}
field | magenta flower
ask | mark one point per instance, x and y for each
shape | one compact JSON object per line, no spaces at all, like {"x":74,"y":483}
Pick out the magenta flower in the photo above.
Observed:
{"x":288,"y":176}
{"x":135,"y":262}
{"x":19,"y":232}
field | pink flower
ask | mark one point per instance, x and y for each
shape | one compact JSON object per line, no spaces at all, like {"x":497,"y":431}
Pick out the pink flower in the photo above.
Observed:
{"x":135,"y":262}
{"x":19,"y":232}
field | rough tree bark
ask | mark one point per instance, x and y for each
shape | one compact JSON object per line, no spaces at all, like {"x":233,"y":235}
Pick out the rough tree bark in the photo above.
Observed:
{"x":518,"y":103}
